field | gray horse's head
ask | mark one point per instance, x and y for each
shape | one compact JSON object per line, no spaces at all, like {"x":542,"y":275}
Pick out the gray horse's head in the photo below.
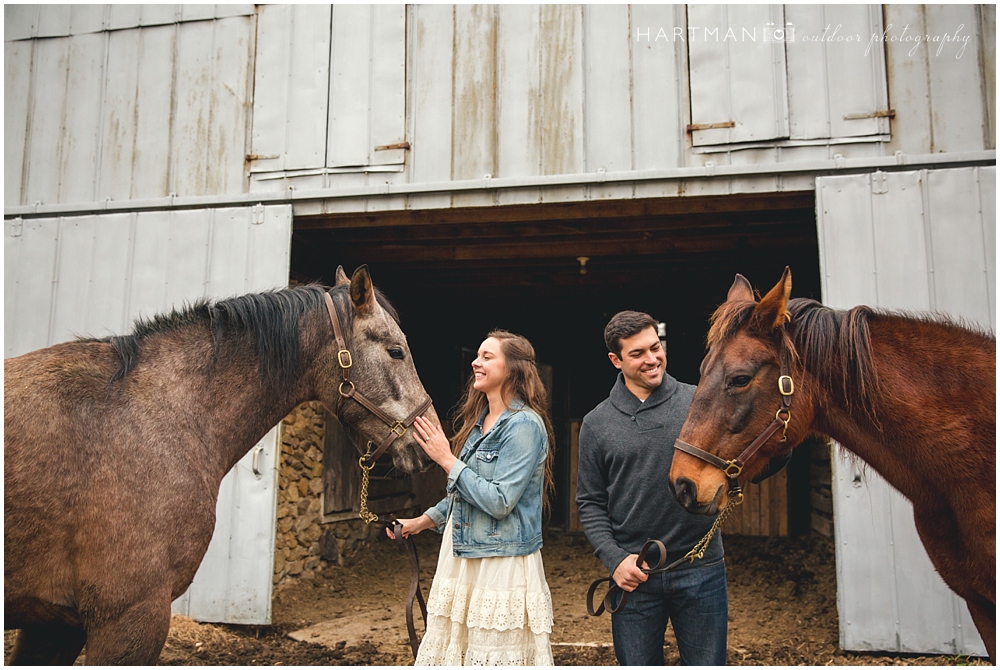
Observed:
{"x":381,"y":369}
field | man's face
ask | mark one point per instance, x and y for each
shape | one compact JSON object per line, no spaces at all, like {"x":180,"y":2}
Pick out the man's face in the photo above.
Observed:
{"x":643,"y":362}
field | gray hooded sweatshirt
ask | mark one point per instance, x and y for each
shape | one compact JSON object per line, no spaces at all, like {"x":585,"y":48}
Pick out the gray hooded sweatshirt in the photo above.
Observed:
{"x":626,"y":447}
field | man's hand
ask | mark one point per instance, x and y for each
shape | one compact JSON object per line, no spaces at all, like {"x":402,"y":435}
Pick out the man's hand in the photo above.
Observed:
{"x":627,"y":575}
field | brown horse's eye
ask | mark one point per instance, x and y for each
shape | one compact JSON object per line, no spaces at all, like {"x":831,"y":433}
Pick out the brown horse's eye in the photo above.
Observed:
{"x":739,"y":381}
{"x":397,"y":353}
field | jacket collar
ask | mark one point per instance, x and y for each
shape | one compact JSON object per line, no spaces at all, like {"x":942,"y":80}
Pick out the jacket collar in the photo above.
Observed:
{"x":515,"y":405}
{"x":625,"y":401}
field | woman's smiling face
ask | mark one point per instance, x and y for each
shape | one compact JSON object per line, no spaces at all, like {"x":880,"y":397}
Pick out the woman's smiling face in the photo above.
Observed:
{"x":490,"y":367}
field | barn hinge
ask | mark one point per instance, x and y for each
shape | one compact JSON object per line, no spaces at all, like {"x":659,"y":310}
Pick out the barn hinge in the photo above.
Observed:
{"x":390,"y":147}
{"x":878,"y":183}
{"x":16,"y":226}
{"x":880,"y":114}
{"x":257,"y":214}
{"x":710,"y":126}
{"x":260,"y":157}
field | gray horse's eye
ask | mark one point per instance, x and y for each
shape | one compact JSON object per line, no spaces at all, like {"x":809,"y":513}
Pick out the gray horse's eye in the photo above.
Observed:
{"x":396,"y":352}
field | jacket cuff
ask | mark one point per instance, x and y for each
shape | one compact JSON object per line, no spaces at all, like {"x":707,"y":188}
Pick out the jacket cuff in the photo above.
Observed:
{"x":435,"y":516}
{"x":456,"y":470}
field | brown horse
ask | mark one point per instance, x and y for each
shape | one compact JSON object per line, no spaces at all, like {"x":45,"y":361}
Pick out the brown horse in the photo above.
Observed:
{"x":115,"y":450}
{"x":914,"y":397}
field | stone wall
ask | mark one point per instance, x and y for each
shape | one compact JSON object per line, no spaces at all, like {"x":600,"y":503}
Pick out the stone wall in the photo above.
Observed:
{"x":300,"y":487}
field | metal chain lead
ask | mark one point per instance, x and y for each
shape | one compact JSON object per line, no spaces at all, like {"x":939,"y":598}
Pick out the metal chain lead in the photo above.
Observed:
{"x":365,"y":515}
{"x":698,"y":551}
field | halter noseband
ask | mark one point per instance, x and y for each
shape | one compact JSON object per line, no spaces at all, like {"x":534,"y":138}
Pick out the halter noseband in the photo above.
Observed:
{"x":733,"y":468}
{"x":347,"y":390}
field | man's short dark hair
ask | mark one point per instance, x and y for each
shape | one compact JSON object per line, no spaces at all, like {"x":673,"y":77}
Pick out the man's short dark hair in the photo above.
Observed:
{"x":625,"y":324}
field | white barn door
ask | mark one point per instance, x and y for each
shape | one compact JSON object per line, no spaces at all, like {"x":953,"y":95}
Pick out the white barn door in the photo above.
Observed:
{"x":93,"y":275}
{"x":910,"y":241}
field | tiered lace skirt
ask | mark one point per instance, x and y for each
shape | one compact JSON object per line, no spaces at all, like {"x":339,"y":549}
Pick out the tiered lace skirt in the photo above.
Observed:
{"x":487,"y":611}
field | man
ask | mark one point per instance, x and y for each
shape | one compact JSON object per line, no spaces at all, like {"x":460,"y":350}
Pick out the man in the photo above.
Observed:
{"x":626,"y":447}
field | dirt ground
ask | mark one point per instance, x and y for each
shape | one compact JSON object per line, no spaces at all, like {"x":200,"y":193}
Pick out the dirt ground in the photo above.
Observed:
{"x":782,"y":611}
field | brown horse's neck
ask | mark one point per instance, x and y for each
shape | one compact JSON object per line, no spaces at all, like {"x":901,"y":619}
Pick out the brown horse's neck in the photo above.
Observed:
{"x":931,"y":412}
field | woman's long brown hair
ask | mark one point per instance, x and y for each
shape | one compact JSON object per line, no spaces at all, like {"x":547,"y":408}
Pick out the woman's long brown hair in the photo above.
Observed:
{"x":523,"y":381}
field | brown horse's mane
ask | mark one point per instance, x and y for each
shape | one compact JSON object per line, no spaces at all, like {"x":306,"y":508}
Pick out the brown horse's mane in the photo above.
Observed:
{"x":270,"y":317}
{"x":834,"y":344}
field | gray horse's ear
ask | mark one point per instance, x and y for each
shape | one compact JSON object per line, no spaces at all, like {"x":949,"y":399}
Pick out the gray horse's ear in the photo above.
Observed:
{"x":772,"y":312}
{"x":740,"y":290}
{"x":362,"y":292}
{"x":342,"y":279}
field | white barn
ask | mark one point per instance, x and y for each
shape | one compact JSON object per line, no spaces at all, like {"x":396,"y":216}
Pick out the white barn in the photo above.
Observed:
{"x":544,"y":164}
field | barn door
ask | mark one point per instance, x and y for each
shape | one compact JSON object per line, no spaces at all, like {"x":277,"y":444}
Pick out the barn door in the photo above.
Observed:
{"x":93,"y":275}
{"x":912,"y":241}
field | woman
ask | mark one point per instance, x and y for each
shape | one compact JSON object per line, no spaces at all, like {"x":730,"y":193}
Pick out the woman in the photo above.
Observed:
{"x":489,"y":603}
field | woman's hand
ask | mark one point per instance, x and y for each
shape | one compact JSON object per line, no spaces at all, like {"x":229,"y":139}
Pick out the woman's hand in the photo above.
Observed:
{"x":412,"y":526}
{"x":432,"y":440}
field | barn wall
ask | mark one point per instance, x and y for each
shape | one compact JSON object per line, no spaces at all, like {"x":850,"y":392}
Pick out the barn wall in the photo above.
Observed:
{"x":127,"y":103}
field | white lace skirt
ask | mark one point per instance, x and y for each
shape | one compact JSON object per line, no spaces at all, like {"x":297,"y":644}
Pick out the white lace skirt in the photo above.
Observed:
{"x":487,"y":611}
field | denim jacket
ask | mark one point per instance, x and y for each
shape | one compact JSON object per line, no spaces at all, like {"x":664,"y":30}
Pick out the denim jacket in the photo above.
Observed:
{"x":495,"y":487}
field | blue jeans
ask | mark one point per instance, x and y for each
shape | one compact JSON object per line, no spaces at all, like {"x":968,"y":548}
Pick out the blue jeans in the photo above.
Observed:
{"x":694,"y":600}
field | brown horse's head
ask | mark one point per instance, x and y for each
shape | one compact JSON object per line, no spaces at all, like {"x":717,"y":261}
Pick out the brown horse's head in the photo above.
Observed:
{"x":738,"y":395}
{"x":381,"y":369}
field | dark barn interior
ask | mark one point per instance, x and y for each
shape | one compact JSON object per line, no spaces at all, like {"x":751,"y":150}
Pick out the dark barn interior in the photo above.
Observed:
{"x":556,"y":273}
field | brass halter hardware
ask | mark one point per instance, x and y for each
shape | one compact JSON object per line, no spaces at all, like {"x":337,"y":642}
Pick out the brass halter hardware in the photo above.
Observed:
{"x":347,"y":390}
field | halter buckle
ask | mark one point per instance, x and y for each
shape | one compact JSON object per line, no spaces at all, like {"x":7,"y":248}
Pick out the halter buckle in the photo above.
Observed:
{"x":733,"y":469}
{"x":398,"y":428}
{"x":784,"y":380}
{"x":349,"y":392}
{"x":738,"y":493}
{"x":340,"y":358}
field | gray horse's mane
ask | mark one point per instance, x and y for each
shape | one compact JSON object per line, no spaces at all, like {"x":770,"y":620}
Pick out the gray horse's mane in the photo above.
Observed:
{"x":271,"y":318}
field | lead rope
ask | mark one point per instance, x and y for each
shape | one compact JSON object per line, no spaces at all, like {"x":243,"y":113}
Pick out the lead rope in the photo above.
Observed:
{"x":697,"y":552}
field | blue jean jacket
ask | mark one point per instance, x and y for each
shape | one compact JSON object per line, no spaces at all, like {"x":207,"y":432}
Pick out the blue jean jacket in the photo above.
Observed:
{"x":495,"y":487}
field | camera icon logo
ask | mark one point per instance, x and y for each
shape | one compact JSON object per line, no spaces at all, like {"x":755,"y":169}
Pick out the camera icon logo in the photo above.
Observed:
{"x":775,"y":32}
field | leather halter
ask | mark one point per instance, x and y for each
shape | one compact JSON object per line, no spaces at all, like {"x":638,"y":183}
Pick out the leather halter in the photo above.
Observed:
{"x":348,"y":391}
{"x":733,"y":468}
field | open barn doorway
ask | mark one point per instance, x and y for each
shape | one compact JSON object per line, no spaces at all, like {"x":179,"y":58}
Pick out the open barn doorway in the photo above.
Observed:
{"x":556,"y":273}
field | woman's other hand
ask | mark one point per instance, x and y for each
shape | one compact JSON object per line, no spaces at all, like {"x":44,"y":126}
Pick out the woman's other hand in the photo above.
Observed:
{"x":432,"y":440}
{"x":412,"y":526}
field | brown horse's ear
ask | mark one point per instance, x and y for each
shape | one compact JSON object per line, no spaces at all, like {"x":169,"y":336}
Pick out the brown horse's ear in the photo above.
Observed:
{"x":740,"y":290}
{"x":772,"y":312}
{"x":342,"y":279}
{"x":362,"y":293}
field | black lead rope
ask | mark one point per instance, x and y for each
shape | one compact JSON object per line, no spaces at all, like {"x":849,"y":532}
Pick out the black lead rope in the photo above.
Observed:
{"x":698,"y":551}
{"x":406,"y":546}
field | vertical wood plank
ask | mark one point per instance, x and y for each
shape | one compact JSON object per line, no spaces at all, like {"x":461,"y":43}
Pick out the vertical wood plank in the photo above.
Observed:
{"x":105,"y":309}
{"x":987,"y":179}
{"x":909,"y":86}
{"x":562,"y":102}
{"x":82,"y":122}
{"x":192,"y":116}
{"x":28,"y":298}
{"x":955,"y":81}
{"x":475,"y":113}
{"x":656,"y":80}
{"x":17,"y":91}
{"x":45,"y":129}
{"x":271,"y":99}
{"x":900,"y":249}
{"x":154,"y":111}
{"x":518,"y":122}
{"x":387,"y":106}
{"x":432,"y":88}
{"x":349,"y":136}
{"x":118,"y":124}
{"x":308,"y":80}
{"x":956,"y":236}
{"x":228,"y":100}
{"x":609,"y":105}
{"x":73,"y":270}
